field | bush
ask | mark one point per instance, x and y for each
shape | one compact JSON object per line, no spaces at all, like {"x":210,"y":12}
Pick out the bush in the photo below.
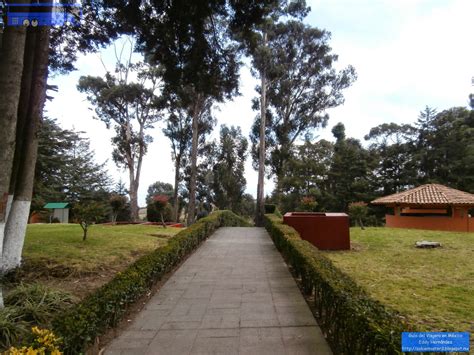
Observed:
{"x":352,"y":321}
{"x":28,"y":305}
{"x":37,"y":302}
{"x":12,"y":327}
{"x":79,"y":326}
{"x":270,"y":208}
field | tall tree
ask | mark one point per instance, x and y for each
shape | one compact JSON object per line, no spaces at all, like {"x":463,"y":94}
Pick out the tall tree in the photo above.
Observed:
{"x":11,"y":69}
{"x":445,"y":148}
{"x":32,"y":77}
{"x":131,"y":108}
{"x":24,"y":176}
{"x":179,"y":131}
{"x":303,"y":85}
{"x":228,"y":172}
{"x":255,"y":43}
{"x":392,"y":146}
{"x":307,"y":175}
{"x":350,"y":173}
{"x":66,"y":169}
{"x":194,"y":41}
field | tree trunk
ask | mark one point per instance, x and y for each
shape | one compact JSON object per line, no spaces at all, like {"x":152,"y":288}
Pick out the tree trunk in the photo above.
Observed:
{"x":361,"y":224}
{"x":162,"y":220}
{"x":133,"y":202}
{"x":192,"y":183}
{"x":175,"y":192}
{"x":84,"y":231}
{"x":18,"y":219}
{"x":24,"y":103}
{"x":260,"y":210}
{"x":114,"y":217}
{"x":11,"y":70}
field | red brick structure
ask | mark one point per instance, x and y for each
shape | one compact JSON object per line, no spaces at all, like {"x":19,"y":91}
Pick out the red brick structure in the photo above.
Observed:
{"x":431,"y":206}
{"x":326,"y":231}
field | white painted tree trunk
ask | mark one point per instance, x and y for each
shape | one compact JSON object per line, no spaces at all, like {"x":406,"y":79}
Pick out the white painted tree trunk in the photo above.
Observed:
{"x":9,"y":205}
{"x":2,"y":228}
{"x":15,"y":231}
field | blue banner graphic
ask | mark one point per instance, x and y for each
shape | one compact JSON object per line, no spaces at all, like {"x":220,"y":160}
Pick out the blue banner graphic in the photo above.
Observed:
{"x":43,"y":14}
{"x":435,"y":342}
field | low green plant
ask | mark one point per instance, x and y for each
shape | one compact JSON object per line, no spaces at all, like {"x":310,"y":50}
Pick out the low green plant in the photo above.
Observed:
{"x":353,"y":322}
{"x":12,"y":327}
{"x":38,"y":304}
{"x":28,"y":305}
{"x":81,"y":324}
{"x":270,"y":208}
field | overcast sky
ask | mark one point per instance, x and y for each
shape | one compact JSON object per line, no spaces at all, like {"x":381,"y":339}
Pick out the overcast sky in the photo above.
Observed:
{"x":407,"y":53}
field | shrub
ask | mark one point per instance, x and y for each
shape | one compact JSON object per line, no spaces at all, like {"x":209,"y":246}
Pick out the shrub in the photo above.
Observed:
{"x":270,"y":208}
{"x":307,"y":204}
{"x":12,"y":327}
{"x":352,"y":321}
{"x":80,"y":325}
{"x":38,"y":303}
{"x":28,"y":305}
{"x":358,"y":211}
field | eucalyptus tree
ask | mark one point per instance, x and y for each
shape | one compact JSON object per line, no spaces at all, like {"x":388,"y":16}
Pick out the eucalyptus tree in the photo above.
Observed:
{"x":179,"y":131}
{"x":303,"y":85}
{"x":29,"y":117}
{"x":228,"y":171}
{"x":131,"y":108}
{"x":24,"y":59}
{"x":11,"y":68}
{"x":257,"y":47}
{"x":195,"y":43}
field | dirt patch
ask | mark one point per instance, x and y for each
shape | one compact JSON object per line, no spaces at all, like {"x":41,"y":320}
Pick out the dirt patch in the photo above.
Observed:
{"x":78,"y":282}
{"x":158,"y":235}
{"x":357,"y":246}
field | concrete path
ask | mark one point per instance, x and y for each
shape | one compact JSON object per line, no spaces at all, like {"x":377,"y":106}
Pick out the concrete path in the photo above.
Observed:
{"x":234,"y":295}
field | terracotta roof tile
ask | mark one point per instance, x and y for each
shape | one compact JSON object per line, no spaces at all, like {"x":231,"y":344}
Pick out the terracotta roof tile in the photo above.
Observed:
{"x":430,"y":194}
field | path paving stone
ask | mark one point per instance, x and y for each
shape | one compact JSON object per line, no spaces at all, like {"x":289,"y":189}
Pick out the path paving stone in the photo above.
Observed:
{"x":234,"y":295}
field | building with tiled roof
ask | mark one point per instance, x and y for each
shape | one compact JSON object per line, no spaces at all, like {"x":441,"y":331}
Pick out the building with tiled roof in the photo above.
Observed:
{"x":430,"y":206}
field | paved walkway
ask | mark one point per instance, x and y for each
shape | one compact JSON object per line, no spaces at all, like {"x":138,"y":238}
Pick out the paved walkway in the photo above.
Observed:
{"x":234,"y":295}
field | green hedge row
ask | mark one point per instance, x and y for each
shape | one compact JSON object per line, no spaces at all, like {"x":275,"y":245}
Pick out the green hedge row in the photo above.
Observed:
{"x":352,"y":321}
{"x":104,"y":308}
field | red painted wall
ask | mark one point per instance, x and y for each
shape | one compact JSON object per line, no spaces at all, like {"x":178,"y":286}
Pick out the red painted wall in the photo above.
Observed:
{"x":458,"y":222}
{"x":326,"y":231}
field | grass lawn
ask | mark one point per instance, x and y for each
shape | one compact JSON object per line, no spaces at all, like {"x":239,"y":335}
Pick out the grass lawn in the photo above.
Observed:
{"x":56,"y":254}
{"x":432,"y":287}
{"x":62,"y":244}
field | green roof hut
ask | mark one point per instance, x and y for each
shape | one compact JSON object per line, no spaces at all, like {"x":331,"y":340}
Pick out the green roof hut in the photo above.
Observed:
{"x":60,"y":211}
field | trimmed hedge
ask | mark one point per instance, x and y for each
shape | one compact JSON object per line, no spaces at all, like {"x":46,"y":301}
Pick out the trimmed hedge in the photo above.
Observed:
{"x":352,"y":321}
{"x":81,"y":324}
